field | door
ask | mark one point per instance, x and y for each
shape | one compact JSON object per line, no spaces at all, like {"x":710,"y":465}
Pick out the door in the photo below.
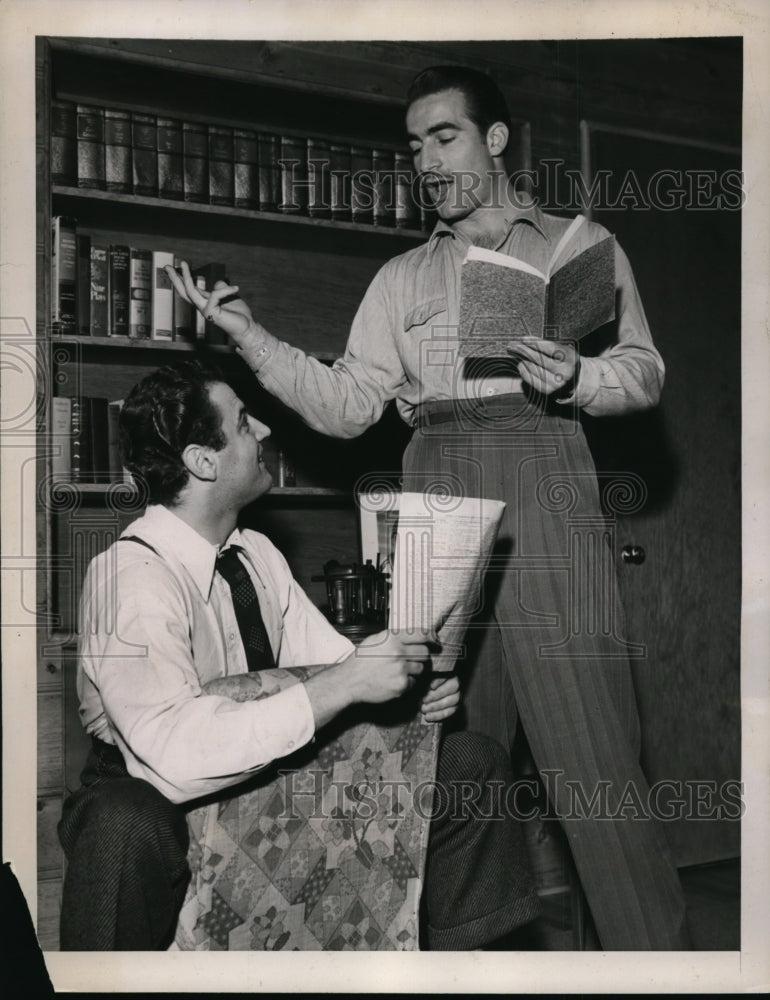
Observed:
{"x":680,"y":227}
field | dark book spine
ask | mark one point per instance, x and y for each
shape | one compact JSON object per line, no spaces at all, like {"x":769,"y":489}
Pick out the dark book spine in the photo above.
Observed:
{"x":184,"y":324}
{"x":407,"y":206}
{"x":100,"y":448}
{"x":117,"y":150}
{"x":339,"y":181}
{"x":90,"y":126}
{"x":140,"y":304}
{"x":100,"y":290}
{"x":64,"y":267}
{"x":269,"y":172}
{"x":113,"y":440}
{"x":319,"y":187}
{"x":86,"y":445}
{"x":82,"y":447}
{"x":120,"y":290}
{"x":196,"y":162}
{"x":170,"y":169}
{"x":246,"y":168}
{"x":200,"y":323}
{"x":221,"y":172}
{"x":211,"y":274}
{"x":383,"y":166}
{"x":76,"y":441}
{"x":293,"y":162}
{"x":84,"y":285}
{"x":64,"y":144}
{"x":361,"y":184}
{"x":144,"y":150}
{"x":61,"y":438}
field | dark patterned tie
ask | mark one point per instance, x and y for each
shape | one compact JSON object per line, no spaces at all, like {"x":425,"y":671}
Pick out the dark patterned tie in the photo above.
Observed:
{"x":259,"y":655}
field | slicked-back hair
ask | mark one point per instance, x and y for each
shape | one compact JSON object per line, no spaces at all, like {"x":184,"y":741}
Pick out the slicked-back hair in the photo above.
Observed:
{"x":484,"y":102}
{"x":168,"y":410}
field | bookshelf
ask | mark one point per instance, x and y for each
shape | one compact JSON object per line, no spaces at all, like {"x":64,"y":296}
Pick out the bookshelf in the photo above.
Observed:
{"x":304,"y":277}
{"x":72,"y":200}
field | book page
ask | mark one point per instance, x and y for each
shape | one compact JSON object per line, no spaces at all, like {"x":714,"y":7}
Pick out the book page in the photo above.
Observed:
{"x":581,"y":294}
{"x":564,"y":242}
{"x":498,"y":305}
{"x":439,"y":563}
{"x":505,"y":259}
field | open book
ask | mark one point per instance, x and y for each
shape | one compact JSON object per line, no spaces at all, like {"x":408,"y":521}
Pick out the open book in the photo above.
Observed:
{"x":504,"y":299}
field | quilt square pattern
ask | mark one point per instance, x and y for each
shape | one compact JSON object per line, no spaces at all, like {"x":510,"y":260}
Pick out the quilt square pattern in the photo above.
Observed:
{"x":325,"y":855}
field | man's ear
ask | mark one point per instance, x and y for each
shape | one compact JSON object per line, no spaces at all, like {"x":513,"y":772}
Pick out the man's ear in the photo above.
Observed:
{"x":497,"y":138}
{"x":200,"y":462}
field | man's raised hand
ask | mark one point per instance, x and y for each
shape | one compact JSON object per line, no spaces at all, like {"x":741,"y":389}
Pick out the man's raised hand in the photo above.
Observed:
{"x":233,"y":317}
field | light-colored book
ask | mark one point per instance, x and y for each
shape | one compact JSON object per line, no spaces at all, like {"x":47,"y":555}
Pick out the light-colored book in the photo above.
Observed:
{"x":140,"y":270}
{"x":162,"y":297}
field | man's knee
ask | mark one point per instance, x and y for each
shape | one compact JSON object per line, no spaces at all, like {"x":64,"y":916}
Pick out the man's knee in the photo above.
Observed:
{"x":129,"y":811}
{"x":469,"y":756}
{"x":473,"y":774}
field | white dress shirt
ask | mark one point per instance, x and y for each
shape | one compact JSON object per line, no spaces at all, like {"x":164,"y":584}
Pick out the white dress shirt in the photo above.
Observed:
{"x":155,"y":628}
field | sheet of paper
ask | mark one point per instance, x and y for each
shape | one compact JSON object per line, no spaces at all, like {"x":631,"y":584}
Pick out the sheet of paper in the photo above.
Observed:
{"x":443,"y":546}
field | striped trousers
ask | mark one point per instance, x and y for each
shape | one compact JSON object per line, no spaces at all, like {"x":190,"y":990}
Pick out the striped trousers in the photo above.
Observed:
{"x":546,"y":647}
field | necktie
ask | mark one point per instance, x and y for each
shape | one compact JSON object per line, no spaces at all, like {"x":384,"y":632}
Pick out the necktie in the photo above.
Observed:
{"x":259,"y":655}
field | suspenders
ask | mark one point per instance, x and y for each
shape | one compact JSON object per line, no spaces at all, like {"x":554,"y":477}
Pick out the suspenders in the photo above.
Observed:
{"x":141,"y":541}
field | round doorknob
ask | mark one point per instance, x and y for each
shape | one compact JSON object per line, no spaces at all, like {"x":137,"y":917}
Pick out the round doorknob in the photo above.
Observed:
{"x":633,"y":554}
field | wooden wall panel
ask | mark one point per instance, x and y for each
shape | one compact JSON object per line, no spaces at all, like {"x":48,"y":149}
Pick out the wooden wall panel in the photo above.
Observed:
{"x":48,"y":910}
{"x":50,"y":741}
{"x":50,"y":857}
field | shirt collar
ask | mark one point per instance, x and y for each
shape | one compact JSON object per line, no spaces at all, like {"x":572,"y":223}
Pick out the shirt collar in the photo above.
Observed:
{"x":519,"y":209}
{"x":172,"y":536}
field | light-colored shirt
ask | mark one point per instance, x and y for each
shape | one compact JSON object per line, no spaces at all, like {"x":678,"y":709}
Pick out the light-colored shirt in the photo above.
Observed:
{"x":403,"y":344}
{"x":155,"y":628}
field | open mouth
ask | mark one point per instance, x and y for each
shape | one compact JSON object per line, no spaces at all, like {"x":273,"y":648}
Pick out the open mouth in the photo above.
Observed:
{"x":436,"y":187}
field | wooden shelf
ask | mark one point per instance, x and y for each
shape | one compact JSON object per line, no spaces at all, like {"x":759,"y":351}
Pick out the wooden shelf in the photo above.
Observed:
{"x":130,"y":344}
{"x":102,"y":489}
{"x":68,"y":198}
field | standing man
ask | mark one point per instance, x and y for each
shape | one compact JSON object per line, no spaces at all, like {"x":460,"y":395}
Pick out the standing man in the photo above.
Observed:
{"x":509,"y":432}
{"x":186,"y":623}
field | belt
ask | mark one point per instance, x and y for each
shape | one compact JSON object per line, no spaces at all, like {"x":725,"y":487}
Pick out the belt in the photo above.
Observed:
{"x":443,"y":411}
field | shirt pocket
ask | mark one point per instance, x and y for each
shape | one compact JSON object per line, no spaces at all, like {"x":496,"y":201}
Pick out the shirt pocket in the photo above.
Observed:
{"x":422,"y":313}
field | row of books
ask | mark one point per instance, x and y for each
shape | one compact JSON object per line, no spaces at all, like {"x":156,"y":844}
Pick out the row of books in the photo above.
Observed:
{"x":131,"y":152}
{"x":86,"y":440}
{"x":103,"y":289}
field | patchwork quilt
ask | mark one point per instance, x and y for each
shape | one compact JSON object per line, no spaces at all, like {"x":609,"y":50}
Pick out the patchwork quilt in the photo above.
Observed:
{"x":326,"y":851}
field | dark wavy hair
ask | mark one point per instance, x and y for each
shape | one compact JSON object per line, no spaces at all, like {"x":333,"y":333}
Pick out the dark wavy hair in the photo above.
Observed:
{"x":166,"y":411}
{"x":484,"y":102}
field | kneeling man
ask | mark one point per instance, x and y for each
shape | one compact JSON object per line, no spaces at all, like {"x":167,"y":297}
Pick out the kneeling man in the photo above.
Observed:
{"x":184,"y":622}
